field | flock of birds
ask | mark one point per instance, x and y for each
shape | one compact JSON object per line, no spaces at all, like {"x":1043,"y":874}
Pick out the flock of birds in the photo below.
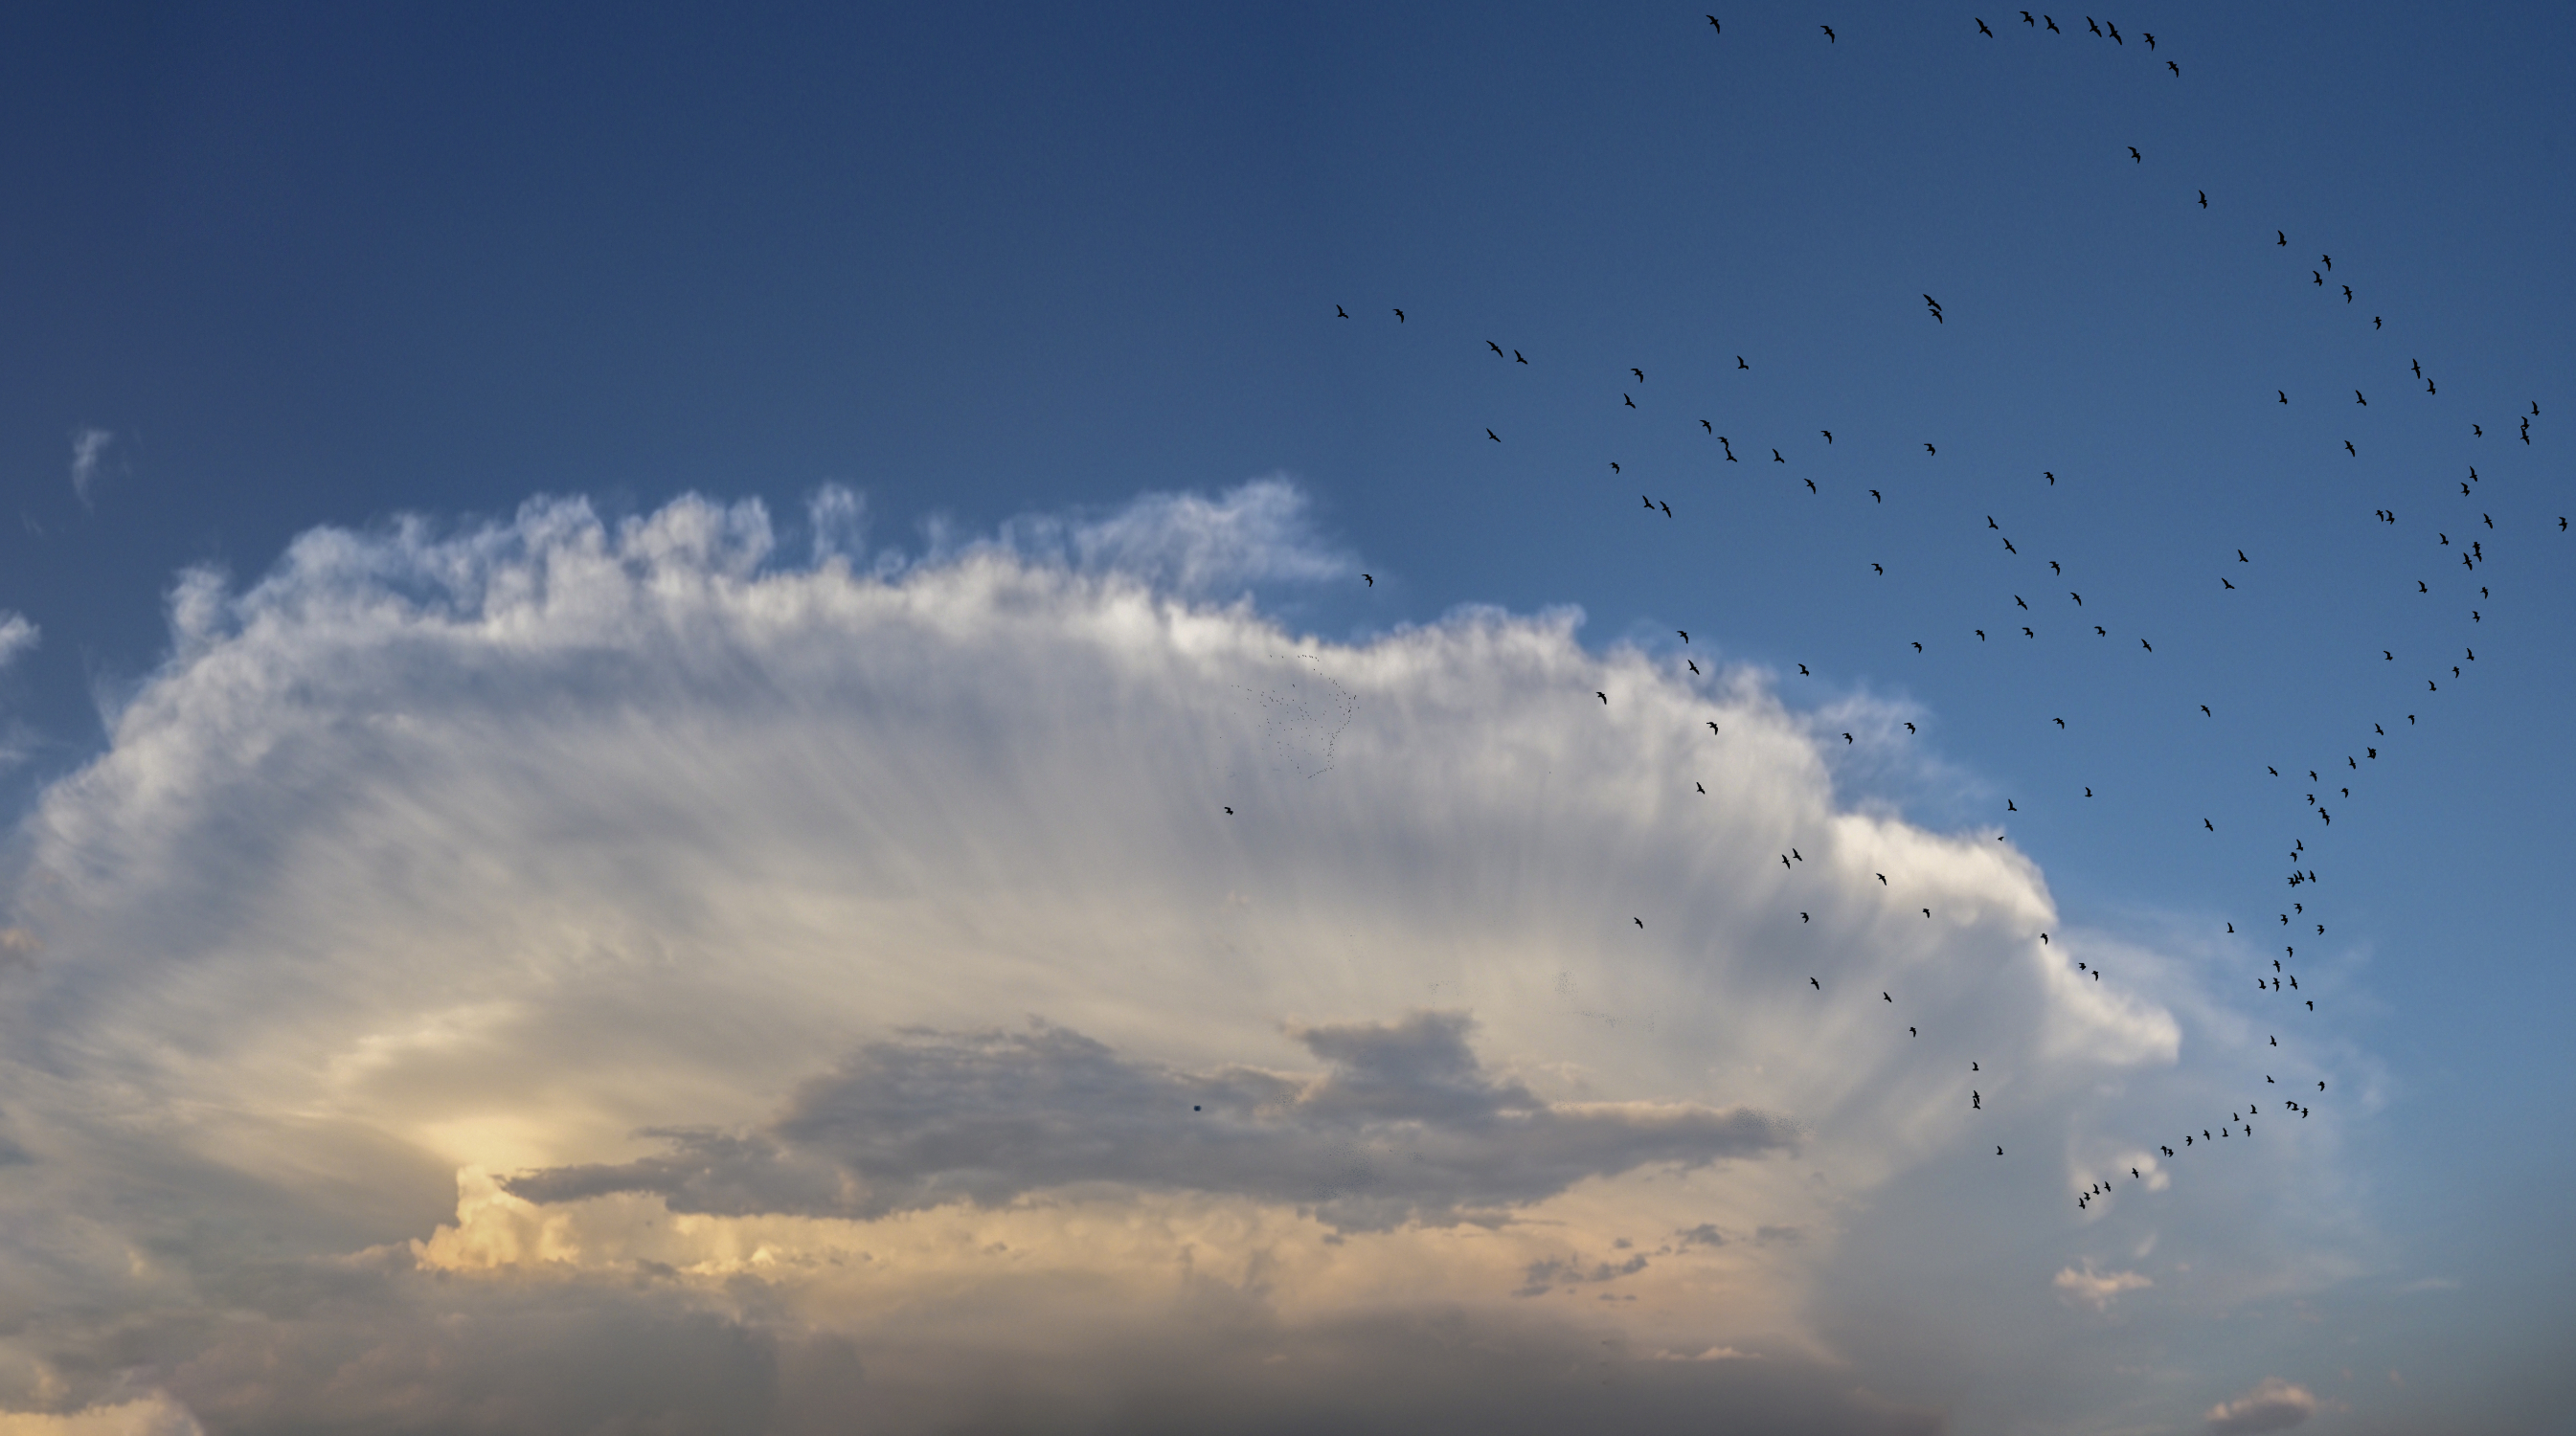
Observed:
{"x":2300,"y":874}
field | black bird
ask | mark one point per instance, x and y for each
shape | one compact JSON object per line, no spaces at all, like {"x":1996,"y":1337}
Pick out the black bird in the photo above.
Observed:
{"x":1927,"y":448}
{"x":1982,"y":30}
{"x":1890,"y":999}
{"x":1339,"y":310}
{"x":2079,"y":599}
{"x":1712,"y":728}
{"x":2135,"y":156}
{"x":2284,"y":240}
{"x":1705,"y":424}
{"x":2026,"y":633}
{"x":2349,"y":449}
{"x":1490,"y":434}
{"x":1981,"y":633}
{"x":1371,"y":578}
{"x":2142,"y":643}
{"x":1640,"y":922}
{"x":2060,"y":722}
{"x":2224,"y":583}
{"x":2053,"y":568}
{"x":1740,"y":364}
{"x":1877,"y":569}
{"x":2347,"y":294}
{"x":1631,"y":403}
{"x":2418,"y":366}
{"x":1811,"y":486}
{"x":2205,"y":713}
{"x":1847,"y":737}
{"x":1640,"y":373}
{"x":2284,"y":393}
{"x":1775,"y":457}
{"x":1229,"y":812}
{"x":1828,"y":433}
{"x":1802,"y":668}
{"x":1399,"y":316}
{"x":2204,"y":199}
{"x":2319,"y":279}
{"x":1828,"y":29}
{"x":2177,"y":73}
{"x":1875,"y":495}
{"x":1516,"y":357}
{"x":2115,"y":36}
{"x":2088,"y":20}
{"x":2025,"y":19}
{"x":1712,"y":24}
{"x":1497,"y":348}
{"x":2356,"y":398}
{"x":1604,"y":697}
{"x":1918,"y":648}
{"x":2017,"y":603}
{"x":1812,"y":982}
{"x":2150,"y":39}
{"x":2052,"y":29}
{"x":2206,"y":823}
{"x":1909,"y":727}
{"x":1684,"y":632}
{"x":1882,"y":878}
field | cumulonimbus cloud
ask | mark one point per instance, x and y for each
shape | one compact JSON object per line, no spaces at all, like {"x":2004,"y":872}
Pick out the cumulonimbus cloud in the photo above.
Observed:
{"x":866,"y":931}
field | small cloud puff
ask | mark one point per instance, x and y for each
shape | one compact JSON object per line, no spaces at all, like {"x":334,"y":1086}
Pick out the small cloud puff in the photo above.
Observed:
{"x":89,"y":447}
{"x":2097,"y":1289}
{"x":2274,"y":1405}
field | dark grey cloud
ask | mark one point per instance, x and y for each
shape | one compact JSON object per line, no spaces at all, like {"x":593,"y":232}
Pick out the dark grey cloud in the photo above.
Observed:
{"x":1404,"y":1124}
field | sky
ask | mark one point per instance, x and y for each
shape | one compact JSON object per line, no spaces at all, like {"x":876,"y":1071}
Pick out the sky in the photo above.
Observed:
{"x":821,"y":722}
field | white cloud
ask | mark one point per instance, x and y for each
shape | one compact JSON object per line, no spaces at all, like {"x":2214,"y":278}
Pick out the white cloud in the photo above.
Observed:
{"x":2273,"y":1405}
{"x":838,"y":952}
{"x":17,"y":637}
{"x":89,"y":449}
{"x":2097,"y":1290}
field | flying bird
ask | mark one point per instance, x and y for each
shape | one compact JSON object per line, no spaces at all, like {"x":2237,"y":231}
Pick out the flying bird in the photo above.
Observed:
{"x":1712,"y":24}
{"x":1640,"y":373}
{"x":2135,"y":156}
{"x":1497,"y":348}
{"x":1490,"y":434}
{"x":1516,"y":357}
{"x":1604,"y":697}
{"x":1340,"y":311}
{"x":2204,"y":199}
{"x":1828,"y":433}
{"x":1982,"y":30}
{"x":1371,"y":578}
{"x":1399,"y":316}
{"x":1828,"y":29}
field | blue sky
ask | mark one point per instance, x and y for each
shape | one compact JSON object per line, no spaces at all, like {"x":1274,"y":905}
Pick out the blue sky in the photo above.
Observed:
{"x":989,"y":279}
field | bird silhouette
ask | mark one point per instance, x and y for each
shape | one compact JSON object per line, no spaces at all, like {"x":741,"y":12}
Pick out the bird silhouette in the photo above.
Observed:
{"x":1640,"y":922}
{"x":1341,"y":312}
{"x":1712,"y":728}
{"x":1516,"y":357}
{"x":1370,"y":578}
{"x":2356,"y":398}
{"x":1982,"y":30}
{"x":1876,"y":495}
{"x":1229,"y":812}
{"x":1631,"y":403}
{"x":1604,"y":697}
{"x":1490,"y":434}
{"x":1640,"y":373}
{"x":2135,"y":156}
{"x":1497,"y":348}
{"x":2204,"y":199}
{"x":1399,"y":316}
{"x":1828,"y":29}
{"x":1828,"y":433}
{"x":1740,"y":364}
